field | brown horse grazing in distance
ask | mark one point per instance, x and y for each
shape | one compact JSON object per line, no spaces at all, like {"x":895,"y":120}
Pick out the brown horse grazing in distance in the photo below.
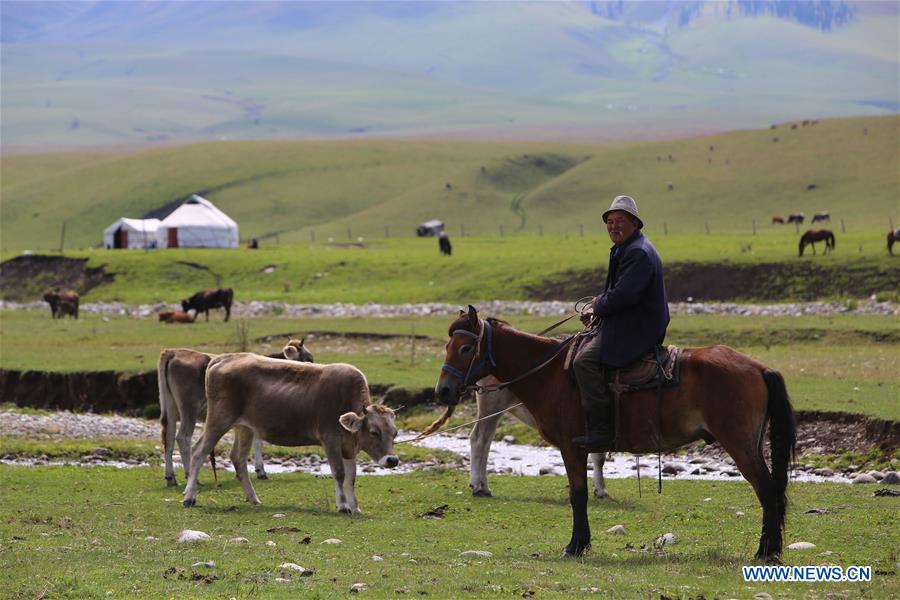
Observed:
{"x":777,"y":220}
{"x":892,"y":237}
{"x":723,"y":395}
{"x":819,"y":235}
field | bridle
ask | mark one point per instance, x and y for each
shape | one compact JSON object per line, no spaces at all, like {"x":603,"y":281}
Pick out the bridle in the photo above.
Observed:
{"x":486,"y":333}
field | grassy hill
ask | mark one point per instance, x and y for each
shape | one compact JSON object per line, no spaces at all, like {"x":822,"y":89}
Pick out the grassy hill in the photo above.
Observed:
{"x":294,"y":191}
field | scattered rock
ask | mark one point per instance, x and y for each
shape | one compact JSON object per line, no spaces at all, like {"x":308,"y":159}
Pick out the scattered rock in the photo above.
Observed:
{"x":864,"y":478}
{"x":739,"y":513}
{"x":357,"y":588}
{"x":816,"y":511}
{"x":616,"y":530}
{"x":190,"y":535}
{"x":239,"y":540}
{"x":801,"y":546}
{"x":886,"y":492}
{"x":509,"y":439}
{"x":891,"y":478}
{"x":282,"y":529}
{"x":278,"y":516}
{"x":762,"y":596}
{"x":302,"y":571}
{"x":546,"y":471}
{"x":877,"y":475}
{"x":377,"y":558}
{"x":665,"y":539}
{"x":476,"y":553}
{"x":824,"y":472}
{"x":208,"y":564}
{"x":100,"y":452}
{"x":673,"y":469}
{"x":333,"y":541}
{"x":435,"y":513}
{"x":270,"y":543}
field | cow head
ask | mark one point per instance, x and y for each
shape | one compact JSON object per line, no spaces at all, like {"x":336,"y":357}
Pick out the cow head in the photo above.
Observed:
{"x":295,"y":350}
{"x":187,"y":305}
{"x":375,"y":432}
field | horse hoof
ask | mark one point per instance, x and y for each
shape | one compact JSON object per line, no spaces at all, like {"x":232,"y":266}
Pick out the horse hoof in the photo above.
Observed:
{"x":188,"y":502}
{"x":482,"y":493}
{"x":171,"y":482}
{"x":602,"y":496}
{"x":345,"y":511}
{"x":262,"y":476}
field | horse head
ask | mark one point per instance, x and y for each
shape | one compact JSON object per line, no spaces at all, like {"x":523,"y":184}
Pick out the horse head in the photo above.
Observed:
{"x":468,"y":357}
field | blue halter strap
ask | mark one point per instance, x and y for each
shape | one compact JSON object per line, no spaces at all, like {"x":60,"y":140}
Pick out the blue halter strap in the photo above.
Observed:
{"x":486,"y":334}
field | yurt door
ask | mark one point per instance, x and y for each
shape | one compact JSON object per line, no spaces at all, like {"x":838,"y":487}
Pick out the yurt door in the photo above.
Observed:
{"x":173,"y":237}
{"x":120,"y":238}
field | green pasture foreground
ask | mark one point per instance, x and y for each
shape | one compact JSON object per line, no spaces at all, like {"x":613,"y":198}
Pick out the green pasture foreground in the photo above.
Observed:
{"x":845,"y":362}
{"x":68,"y":532}
{"x":396,"y":271}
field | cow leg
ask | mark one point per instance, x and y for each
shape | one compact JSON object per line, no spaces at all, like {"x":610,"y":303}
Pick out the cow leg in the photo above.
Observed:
{"x":336,"y":462}
{"x":184,"y":437}
{"x":479,"y":448}
{"x":350,"y":484}
{"x":258,"y":464}
{"x":599,"y":458}
{"x":169,"y":425}
{"x":243,"y":441}
{"x":211,"y":437}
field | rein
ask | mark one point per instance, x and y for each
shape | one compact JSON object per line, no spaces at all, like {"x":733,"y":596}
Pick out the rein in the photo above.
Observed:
{"x":455,"y":427}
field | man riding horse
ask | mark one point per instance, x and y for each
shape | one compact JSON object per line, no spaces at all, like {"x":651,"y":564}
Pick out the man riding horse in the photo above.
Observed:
{"x":632,"y":315}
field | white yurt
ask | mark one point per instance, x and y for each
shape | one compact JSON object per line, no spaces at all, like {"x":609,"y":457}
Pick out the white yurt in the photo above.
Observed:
{"x":197,"y":224}
{"x":131,"y":233}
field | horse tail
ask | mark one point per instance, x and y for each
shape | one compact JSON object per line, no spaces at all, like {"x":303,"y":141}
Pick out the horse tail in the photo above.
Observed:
{"x":833,"y":240}
{"x":783,"y":434}
{"x":802,"y":243}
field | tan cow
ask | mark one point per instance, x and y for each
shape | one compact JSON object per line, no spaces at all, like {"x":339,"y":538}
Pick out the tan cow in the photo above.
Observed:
{"x":176,"y":316}
{"x":294,"y":404}
{"x":181,"y":373}
{"x":56,"y":297}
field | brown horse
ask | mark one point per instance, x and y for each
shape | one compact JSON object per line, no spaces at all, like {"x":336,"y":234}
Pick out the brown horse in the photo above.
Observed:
{"x":812,"y":236}
{"x":723,"y":395}
{"x":893,"y":236}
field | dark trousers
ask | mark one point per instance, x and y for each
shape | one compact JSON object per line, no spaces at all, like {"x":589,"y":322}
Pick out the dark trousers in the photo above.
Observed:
{"x":590,"y":374}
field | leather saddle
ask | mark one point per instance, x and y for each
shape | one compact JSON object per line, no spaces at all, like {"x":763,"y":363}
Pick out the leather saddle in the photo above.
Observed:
{"x":644,"y":373}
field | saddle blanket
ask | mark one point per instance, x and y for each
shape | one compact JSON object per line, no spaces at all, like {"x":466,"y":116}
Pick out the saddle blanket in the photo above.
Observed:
{"x":642,"y":374}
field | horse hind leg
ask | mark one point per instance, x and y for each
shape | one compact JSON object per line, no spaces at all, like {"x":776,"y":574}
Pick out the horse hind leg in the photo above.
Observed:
{"x":598,"y":459}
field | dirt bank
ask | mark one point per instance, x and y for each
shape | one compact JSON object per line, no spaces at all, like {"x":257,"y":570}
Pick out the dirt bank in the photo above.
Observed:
{"x":27,"y":277}
{"x":704,"y":282}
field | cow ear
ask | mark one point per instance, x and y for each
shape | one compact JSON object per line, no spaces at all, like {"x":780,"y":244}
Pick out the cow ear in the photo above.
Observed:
{"x":303,"y":339}
{"x":291,"y":353}
{"x":351,"y":421}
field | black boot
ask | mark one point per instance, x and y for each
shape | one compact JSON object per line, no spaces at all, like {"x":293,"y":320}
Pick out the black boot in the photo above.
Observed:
{"x":600,"y":436}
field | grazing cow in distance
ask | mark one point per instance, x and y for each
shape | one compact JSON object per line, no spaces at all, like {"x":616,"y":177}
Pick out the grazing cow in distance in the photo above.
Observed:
{"x":444,"y":243}
{"x":62,"y":303}
{"x":176,"y":316}
{"x":777,"y":220}
{"x":821,"y":216}
{"x":892,"y":236}
{"x":796,"y":218}
{"x":207,"y":299}
{"x":294,"y":404}
{"x":181,"y":373}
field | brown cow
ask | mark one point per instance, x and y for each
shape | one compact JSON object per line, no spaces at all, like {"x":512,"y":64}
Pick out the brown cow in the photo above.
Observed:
{"x":294,"y":404}
{"x":202,"y":301}
{"x":181,"y":373}
{"x":176,"y":316}
{"x":70,"y":298}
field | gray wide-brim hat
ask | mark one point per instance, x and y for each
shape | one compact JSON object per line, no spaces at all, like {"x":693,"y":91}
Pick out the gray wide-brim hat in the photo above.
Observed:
{"x":627,"y":204}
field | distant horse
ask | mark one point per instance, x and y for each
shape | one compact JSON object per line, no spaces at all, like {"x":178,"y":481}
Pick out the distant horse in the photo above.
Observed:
{"x":796,"y":218}
{"x":723,"y":395}
{"x":812,"y":236}
{"x":777,"y":221}
{"x":821,"y":216}
{"x":892,"y":237}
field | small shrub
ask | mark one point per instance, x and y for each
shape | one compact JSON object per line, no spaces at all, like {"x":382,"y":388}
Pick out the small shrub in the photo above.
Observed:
{"x":152,"y":411}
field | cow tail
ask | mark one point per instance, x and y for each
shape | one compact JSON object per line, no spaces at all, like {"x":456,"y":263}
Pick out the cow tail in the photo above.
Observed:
{"x":165,"y":392}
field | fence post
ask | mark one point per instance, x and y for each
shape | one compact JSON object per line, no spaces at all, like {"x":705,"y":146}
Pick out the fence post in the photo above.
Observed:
{"x":706,"y":224}
{"x":581,"y":229}
{"x":349,"y":234}
{"x":277,"y":240}
{"x":843,"y":229}
{"x":462,"y":230}
{"x":754,"y":226}
{"x":387,"y":232}
{"x":501,"y":230}
{"x":665,"y":229}
{"x":891,"y":220}
{"x":62,"y":237}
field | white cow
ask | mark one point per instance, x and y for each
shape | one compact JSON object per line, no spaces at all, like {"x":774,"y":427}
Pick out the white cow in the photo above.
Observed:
{"x":483,"y":434}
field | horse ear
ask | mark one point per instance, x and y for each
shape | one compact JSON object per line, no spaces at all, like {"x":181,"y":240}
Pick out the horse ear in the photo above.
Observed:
{"x":473,"y":314}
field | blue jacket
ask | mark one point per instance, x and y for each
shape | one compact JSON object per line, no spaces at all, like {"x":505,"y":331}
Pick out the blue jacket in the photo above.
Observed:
{"x":634,"y":307}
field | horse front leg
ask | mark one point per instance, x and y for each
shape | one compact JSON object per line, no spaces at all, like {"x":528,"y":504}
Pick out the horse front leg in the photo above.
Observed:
{"x":576,"y":471}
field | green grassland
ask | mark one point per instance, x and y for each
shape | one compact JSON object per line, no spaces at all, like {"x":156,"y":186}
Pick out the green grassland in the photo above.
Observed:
{"x":290,"y":192}
{"x":89,"y":533}
{"x":834,"y":363}
{"x":404,"y":270}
